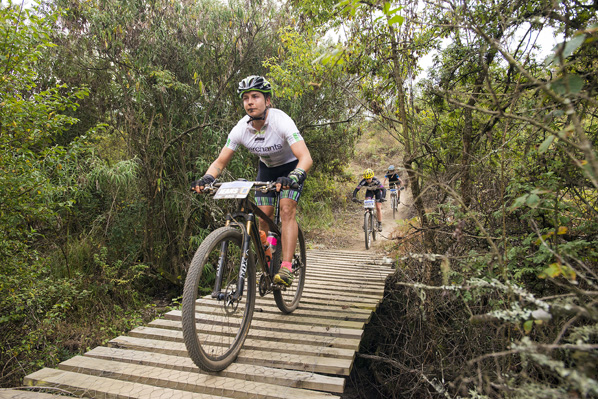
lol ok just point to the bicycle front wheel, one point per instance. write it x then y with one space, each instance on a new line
366 229
287 299
215 325
374 226
393 204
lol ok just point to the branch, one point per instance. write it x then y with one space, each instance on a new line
332 123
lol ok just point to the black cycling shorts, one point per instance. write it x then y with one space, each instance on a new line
377 194
265 173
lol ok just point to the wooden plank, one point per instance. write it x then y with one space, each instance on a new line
350 328
185 381
324 291
300 316
290 361
291 345
21 394
272 334
308 310
93 386
312 305
290 378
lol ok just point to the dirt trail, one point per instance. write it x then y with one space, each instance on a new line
354 237
376 151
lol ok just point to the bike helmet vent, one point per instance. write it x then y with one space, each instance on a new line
254 83
368 174
391 168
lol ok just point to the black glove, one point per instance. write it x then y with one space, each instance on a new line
298 175
204 181
287 182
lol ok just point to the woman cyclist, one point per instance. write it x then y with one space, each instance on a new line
273 136
374 189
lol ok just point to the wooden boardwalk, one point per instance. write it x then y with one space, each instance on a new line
321 338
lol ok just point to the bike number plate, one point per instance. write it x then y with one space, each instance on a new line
393 190
368 203
233 189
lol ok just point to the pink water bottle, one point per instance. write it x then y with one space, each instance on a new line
272 241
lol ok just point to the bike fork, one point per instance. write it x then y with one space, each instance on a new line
217 292
244 260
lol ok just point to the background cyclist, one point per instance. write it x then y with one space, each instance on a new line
374 189
394 181
283 157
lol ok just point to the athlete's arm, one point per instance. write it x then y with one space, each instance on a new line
302 153
216 168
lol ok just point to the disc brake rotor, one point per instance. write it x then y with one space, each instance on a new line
230 304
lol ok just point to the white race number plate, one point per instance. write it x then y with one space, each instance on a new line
233 189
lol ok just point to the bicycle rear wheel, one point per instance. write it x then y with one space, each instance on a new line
366 228
287 299
214 329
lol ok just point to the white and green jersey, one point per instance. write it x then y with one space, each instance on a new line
273 143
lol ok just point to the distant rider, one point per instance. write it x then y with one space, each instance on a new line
374 189
394 181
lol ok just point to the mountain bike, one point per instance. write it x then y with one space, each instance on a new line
395 198
369 218
220 288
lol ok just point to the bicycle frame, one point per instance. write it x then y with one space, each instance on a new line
247 211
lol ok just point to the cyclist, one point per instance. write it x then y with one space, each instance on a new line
374 189
394 181
283 157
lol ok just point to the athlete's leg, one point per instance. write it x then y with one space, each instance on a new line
290 228
269 211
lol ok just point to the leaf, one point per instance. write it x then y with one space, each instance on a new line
567 49
394 11
519 202
397 18
527 326
554 270
544 237
568 84
544 146
562 230
532 201
569 273
386 8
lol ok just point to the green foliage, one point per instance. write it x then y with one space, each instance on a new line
309 93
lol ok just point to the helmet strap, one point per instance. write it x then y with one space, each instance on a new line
259 118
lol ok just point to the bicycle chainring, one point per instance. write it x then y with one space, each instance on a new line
265 284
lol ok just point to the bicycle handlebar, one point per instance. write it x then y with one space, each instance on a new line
262 186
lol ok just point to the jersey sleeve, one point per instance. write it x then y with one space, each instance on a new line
233 141
289 130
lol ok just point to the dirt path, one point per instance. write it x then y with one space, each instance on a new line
375 151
